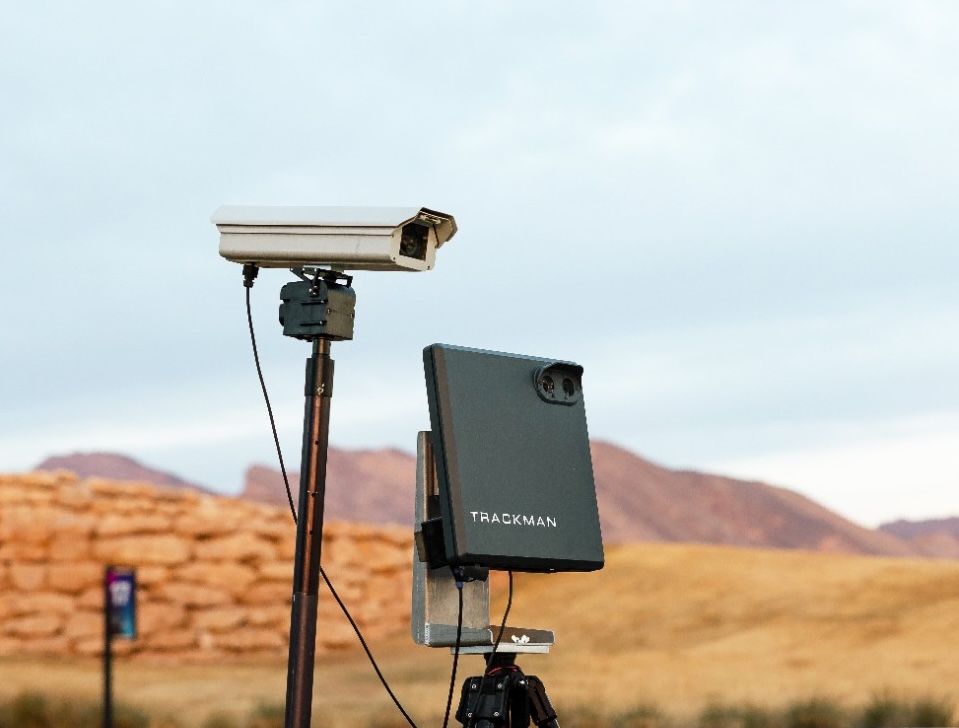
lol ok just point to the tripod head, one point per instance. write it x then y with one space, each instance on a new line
505 696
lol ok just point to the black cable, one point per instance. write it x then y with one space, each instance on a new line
266 397
456 652
366 648
502 627
249 273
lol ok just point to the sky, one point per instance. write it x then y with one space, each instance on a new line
740 218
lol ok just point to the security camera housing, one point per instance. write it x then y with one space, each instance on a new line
344 238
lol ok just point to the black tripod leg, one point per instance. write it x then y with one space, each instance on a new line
541 710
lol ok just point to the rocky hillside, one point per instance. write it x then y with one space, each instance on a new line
113 467
638 501
933 537
641 501
369 486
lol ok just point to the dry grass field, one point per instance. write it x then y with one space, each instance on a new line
681 626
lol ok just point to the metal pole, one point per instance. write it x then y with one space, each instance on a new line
107 652
309 536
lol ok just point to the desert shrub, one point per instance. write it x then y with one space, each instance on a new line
720 716
387 719
126 716
221 720
73 714
736 716
640 716
34 710
28 710
580 717
932 712
885 711
267 715
814 713
753 716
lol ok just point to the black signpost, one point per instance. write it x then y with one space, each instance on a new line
119 620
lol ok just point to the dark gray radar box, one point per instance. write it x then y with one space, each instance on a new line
513 466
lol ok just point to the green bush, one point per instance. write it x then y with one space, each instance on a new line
755 717
887 711
932 712
720 716
815 713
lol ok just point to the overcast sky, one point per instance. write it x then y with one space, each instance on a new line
739 217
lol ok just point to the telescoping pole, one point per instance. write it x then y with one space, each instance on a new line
309 535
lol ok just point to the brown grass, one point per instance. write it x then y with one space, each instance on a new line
678 626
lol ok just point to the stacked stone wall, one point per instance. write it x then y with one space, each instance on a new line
214 574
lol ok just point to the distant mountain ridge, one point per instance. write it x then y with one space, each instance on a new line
932 537
638 501
641 501
369 486
114 467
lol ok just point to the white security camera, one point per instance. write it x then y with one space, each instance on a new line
345 238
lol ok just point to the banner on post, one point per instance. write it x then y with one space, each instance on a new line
121 602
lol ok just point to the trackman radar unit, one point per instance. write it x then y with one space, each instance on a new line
513 467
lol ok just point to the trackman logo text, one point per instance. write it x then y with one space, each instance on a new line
513 519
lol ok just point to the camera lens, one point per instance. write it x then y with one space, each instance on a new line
413 241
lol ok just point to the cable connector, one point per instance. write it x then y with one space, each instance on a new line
466 574
250 271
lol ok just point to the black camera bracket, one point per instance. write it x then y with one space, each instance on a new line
318 306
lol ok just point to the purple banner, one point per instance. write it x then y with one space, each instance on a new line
121 587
